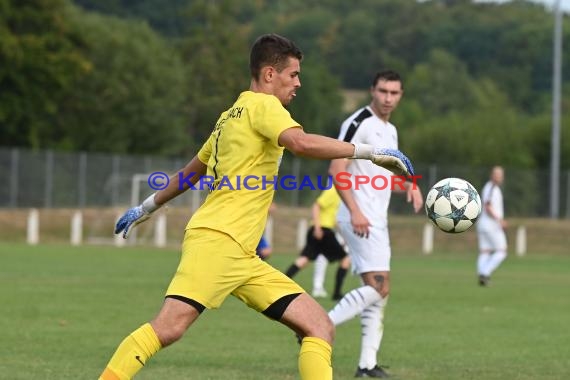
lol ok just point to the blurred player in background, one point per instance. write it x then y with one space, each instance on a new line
218 252
264 248
363 219
321 239
491 227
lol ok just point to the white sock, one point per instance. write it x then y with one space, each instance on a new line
371 321
353 303
494 261
319 272
482 262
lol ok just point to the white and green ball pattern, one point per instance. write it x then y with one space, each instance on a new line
453 205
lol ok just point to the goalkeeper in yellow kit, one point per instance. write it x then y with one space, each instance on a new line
218 252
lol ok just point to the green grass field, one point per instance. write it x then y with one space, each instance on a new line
65 309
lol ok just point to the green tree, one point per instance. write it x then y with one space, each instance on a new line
460 119
510 43
39 65
131 99
355 54
215 54
166 17
318 105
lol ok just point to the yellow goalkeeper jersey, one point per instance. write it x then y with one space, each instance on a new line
329 202
243 157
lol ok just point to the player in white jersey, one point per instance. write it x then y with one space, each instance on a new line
363 219
491 227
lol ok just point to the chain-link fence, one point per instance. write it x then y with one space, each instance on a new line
48 179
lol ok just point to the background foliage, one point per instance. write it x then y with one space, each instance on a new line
151 77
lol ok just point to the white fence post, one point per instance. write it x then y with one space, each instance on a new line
427 241
196 201
160 230
521 241
118 238
33 232
301 233
269 231
76 228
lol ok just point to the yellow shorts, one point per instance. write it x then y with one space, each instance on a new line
213 265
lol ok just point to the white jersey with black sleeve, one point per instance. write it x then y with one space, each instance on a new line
364 127
493 196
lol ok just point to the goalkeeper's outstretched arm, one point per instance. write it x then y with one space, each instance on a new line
317 146
136 215
174 187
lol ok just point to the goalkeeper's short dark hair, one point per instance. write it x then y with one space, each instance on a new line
272 50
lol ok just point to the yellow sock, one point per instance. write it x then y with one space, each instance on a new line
132 354
315 359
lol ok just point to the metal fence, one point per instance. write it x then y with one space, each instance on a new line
49 179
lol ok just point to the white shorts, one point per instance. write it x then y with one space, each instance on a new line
370 254
492 239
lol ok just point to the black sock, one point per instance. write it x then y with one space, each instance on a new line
292 271
339 280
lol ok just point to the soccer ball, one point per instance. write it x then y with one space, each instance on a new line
453 205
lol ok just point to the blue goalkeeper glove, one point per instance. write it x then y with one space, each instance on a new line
135 216
391 159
